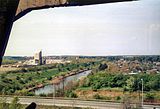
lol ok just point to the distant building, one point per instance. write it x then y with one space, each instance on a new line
38 58
53 61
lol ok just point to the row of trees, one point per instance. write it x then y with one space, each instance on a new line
126 82
133 58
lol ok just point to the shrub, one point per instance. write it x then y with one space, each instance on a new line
150 96
70 94
49 78
103 67
23 70
43 95
118 98
3 103
14 104
30 94
73 95
97 96
96 86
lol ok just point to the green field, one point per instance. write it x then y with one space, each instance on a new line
21 81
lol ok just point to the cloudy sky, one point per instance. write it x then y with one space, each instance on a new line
128 28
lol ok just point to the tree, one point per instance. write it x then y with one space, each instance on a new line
150 96
3 104
14 104
96 96
18 78
130 83
103 66
49 78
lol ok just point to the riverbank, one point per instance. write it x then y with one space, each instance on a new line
61 78
57 79
117 95
60 82
24 81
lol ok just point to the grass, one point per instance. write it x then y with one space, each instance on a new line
113 89
105 88
28 78
84 88
4 70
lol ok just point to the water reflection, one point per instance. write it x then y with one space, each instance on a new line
48 89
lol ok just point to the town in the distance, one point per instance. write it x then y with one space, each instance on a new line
127 64
111 78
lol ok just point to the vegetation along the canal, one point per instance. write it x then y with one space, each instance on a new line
111 78
21 81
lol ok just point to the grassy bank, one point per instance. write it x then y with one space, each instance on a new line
21 81
115 86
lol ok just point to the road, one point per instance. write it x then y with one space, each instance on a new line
74 103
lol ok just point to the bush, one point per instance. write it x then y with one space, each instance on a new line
96 86
108 98
70 94
14 104
49 78
43 95
73 95
118 98
30 94
103 67
23 70
97 96
3 103
150 96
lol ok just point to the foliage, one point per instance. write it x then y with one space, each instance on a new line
30 77
96 96
3 104
14 104
43 95
30 94
12 59
7 61
49 78
103 79
130 83
103 66
118 98
70 94
150 96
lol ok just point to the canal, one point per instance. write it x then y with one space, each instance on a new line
48 89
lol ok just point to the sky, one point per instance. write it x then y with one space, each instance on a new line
128 28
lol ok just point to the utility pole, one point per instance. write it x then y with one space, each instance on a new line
54 93
139 95
142 92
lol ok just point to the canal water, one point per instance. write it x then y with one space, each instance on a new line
48 89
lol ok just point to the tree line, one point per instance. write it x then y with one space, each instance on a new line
125 82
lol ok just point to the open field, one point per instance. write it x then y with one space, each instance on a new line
8 69
115 95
